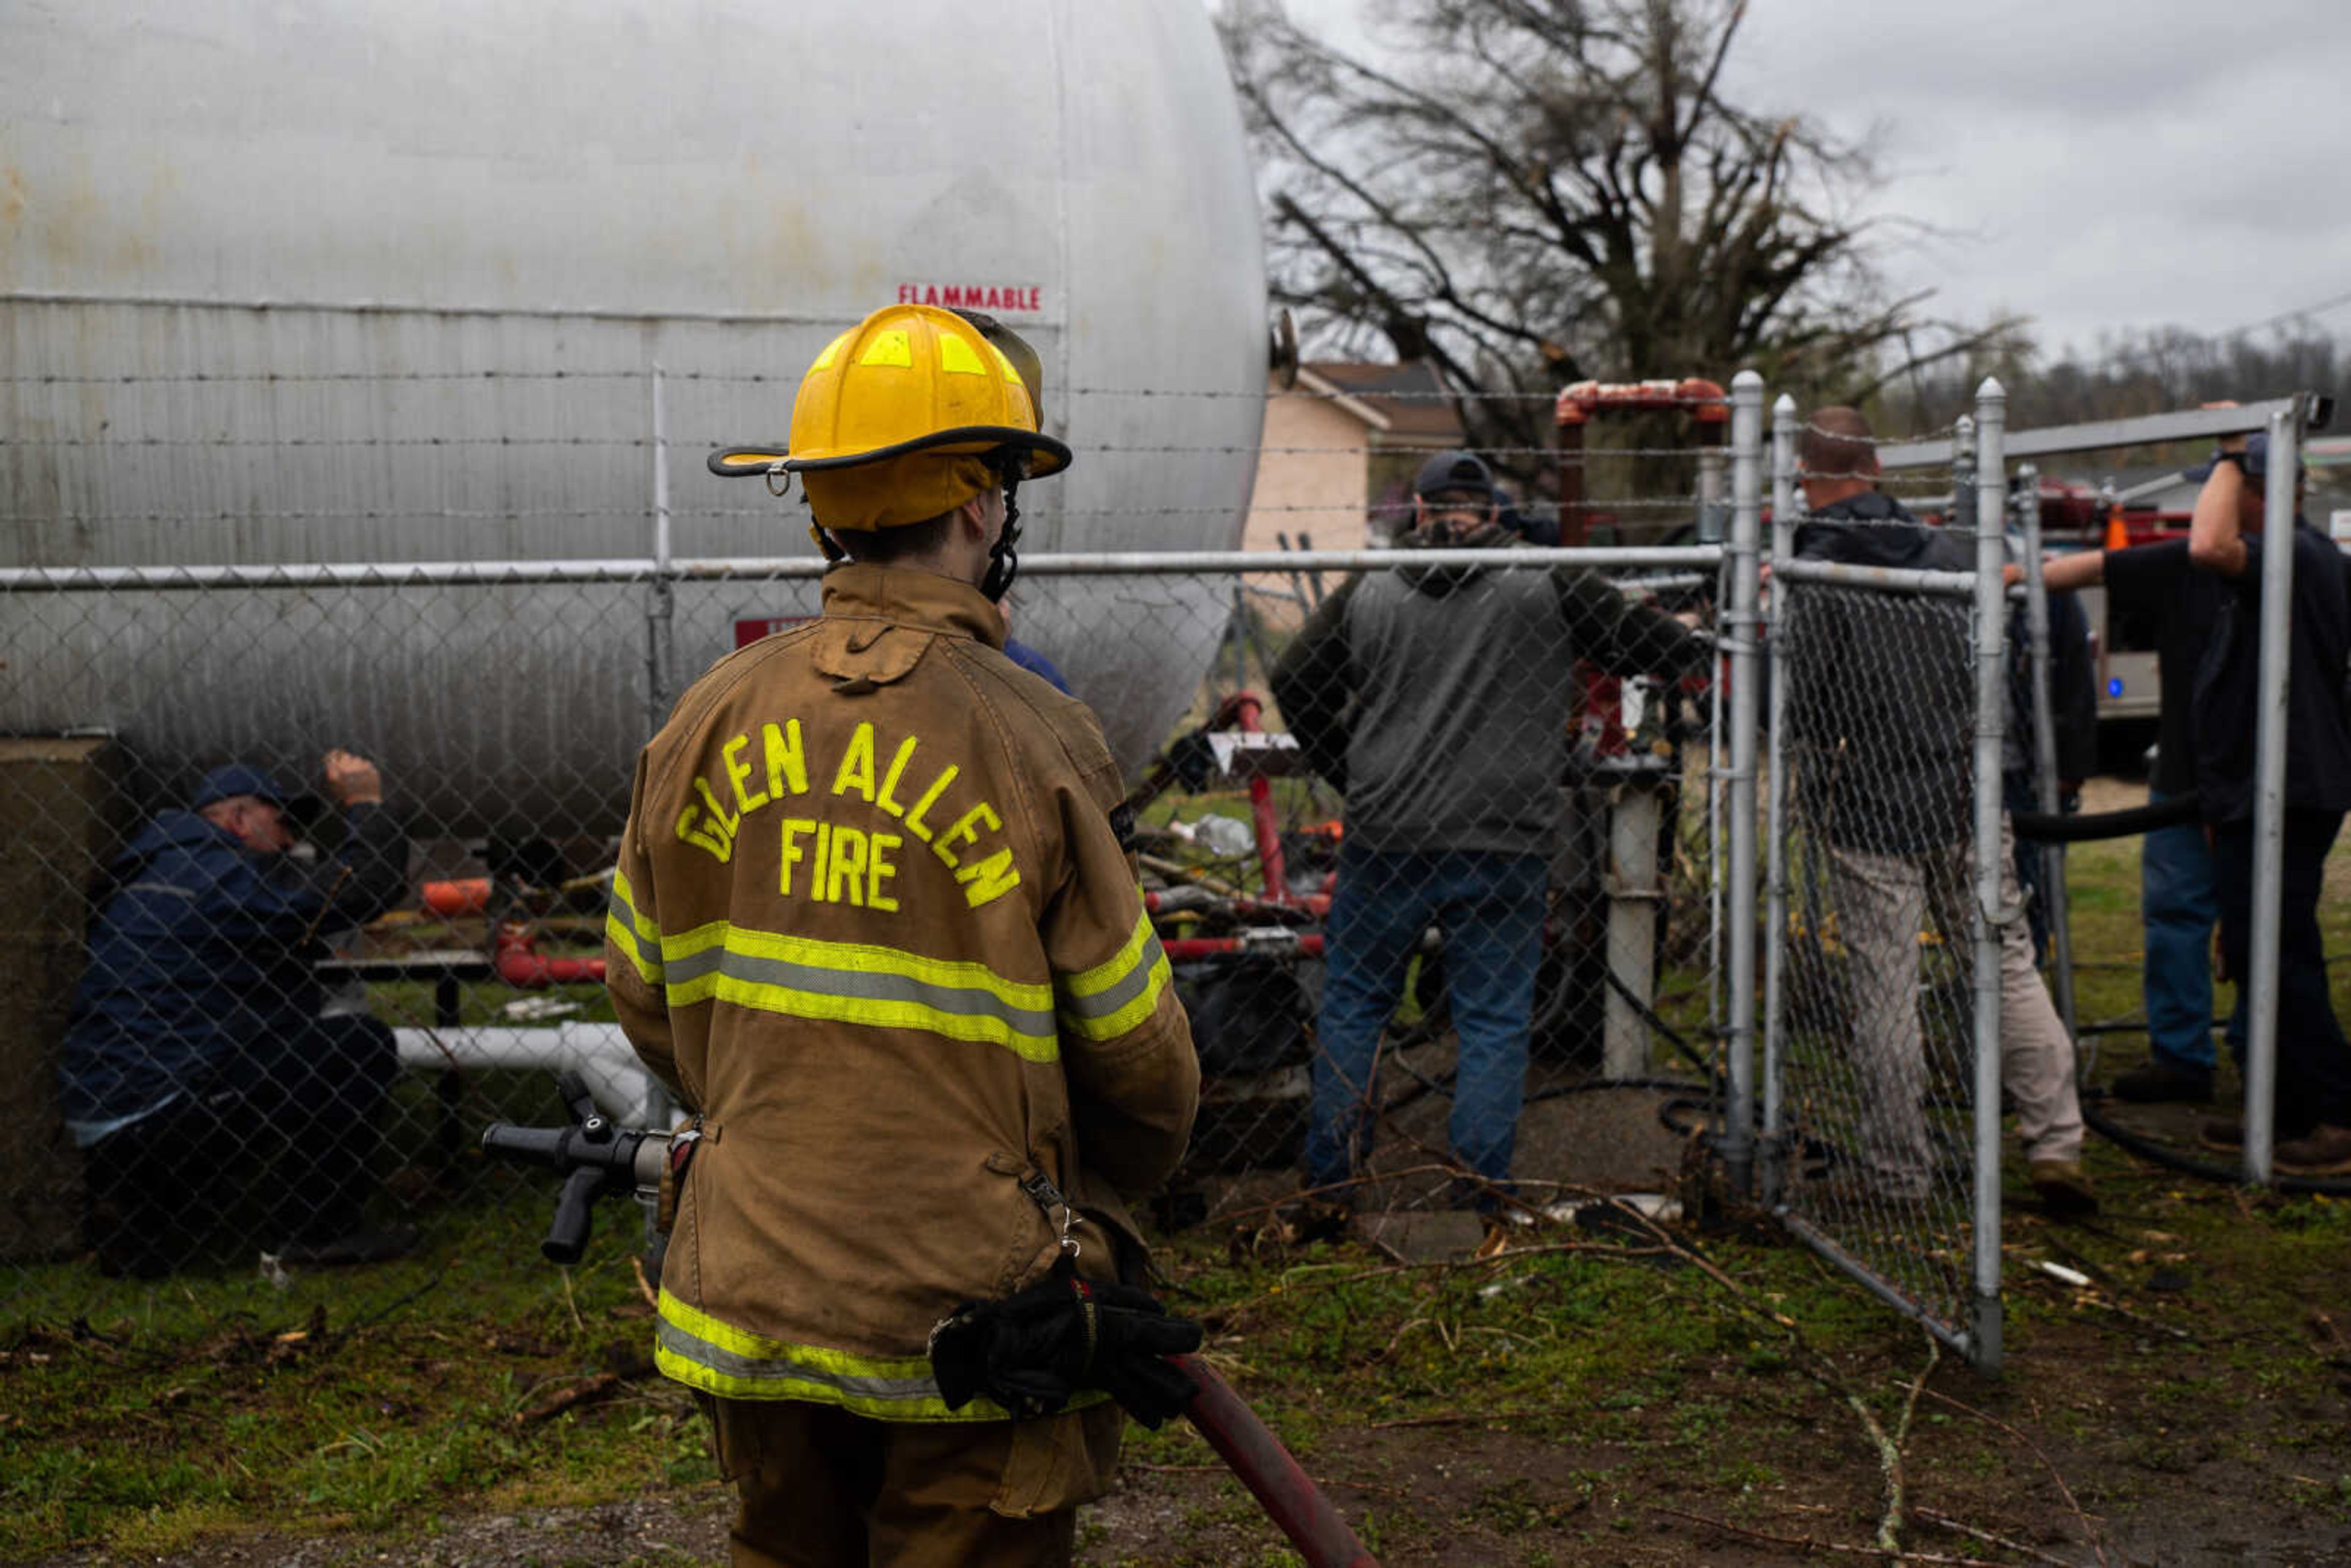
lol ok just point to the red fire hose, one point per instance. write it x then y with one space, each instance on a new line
1286 1492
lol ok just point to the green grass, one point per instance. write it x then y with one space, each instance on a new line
139 1418
142 1418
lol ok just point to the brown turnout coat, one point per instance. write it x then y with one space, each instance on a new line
873 926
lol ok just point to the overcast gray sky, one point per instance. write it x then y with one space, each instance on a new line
2095 164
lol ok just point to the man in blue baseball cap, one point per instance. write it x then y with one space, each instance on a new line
196 1030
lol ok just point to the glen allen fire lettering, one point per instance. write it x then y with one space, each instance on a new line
974 295
827 860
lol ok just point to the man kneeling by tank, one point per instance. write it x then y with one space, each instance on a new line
195 1030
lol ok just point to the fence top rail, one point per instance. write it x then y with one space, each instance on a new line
2098 435
1885 578
721 568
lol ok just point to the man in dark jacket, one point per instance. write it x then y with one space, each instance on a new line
195 1027
1880 710
1437 701
2157 585
2226 537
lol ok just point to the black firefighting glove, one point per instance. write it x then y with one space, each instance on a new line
1034 1351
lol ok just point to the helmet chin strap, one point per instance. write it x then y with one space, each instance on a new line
1003 560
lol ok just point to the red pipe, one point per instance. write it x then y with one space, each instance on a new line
1284 1489
1290 910
451 900
519 964
1245 707
1308 945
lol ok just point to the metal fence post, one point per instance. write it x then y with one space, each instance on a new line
2044 746
2269 792
660 594
661 662
1746 527
1775 923
1992 665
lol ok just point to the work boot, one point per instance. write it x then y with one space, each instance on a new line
363 1244
2321 1151
2064 1190
2165 1079
2224 1133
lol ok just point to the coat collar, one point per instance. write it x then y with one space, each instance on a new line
904 596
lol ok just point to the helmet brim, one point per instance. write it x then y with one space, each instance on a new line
1046 455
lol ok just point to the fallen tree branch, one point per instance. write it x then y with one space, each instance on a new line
1890 1449
583 1392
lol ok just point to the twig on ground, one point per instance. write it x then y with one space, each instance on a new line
1429 1421
1372 1486
1945 1522
1807 1544
1349 1185
1225 1315
569 1395
571 1301
644 1286
1224 1470
2089 1532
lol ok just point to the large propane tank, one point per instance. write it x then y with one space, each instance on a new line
387 281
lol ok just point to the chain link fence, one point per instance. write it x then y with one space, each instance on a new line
227 1055
1602 921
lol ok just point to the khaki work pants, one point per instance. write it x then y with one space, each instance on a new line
820 1488
1883 902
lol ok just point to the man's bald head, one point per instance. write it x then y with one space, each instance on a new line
1836 456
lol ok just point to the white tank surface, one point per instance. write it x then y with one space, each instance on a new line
386 281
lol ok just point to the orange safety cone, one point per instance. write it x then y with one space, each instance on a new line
2117 536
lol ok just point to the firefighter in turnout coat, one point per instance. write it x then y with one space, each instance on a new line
876 924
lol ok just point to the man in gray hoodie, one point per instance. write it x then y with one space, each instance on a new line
1437 701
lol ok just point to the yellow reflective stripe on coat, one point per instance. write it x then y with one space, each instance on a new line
693 1348
1109 999
853 982
633 934
699 1350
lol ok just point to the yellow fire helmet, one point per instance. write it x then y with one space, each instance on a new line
906 416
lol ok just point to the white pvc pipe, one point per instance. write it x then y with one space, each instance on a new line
599 1052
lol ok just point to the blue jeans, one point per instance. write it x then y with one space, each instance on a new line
2178 907
1490 908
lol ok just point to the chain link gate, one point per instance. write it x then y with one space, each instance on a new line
1888 876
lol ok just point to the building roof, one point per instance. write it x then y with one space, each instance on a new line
1317 385
1413 398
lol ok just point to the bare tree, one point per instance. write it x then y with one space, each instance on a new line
1530 192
